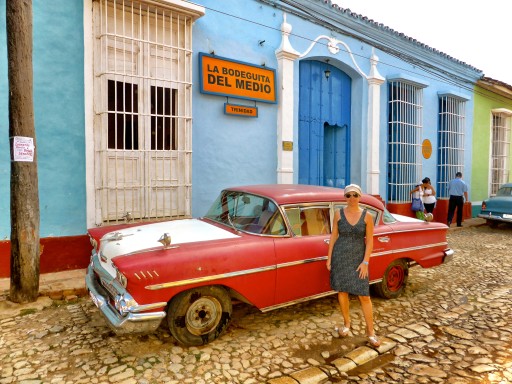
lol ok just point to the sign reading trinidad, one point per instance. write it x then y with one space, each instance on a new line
224 77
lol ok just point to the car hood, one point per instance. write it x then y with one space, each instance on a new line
499 203
144 237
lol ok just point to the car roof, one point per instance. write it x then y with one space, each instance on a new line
301 193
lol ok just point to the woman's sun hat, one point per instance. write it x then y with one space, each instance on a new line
353 188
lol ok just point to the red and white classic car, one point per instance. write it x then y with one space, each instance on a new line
265 245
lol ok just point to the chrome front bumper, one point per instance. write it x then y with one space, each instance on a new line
132 321
494 217
448 255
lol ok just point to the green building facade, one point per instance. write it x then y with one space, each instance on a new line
492 145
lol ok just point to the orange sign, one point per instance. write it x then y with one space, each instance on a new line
240 110
224 77
426 149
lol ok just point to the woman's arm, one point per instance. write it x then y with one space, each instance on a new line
414 190
363 267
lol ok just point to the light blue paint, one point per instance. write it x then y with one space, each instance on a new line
5 164
231 150
226 154
227 150
58 57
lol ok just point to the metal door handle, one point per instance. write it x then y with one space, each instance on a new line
383 239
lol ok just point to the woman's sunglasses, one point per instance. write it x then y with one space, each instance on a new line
349 195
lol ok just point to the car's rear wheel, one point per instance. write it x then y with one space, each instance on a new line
200 315
394 280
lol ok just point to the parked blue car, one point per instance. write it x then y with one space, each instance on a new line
498 208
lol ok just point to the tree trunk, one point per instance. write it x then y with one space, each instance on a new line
24 185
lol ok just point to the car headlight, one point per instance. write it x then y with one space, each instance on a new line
121 278
93 241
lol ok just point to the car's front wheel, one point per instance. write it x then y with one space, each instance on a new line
199 315
394 280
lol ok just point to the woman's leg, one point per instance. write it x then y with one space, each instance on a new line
343 299
366 305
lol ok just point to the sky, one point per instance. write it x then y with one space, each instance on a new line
477 33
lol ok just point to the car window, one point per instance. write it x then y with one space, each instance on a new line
504 191
387 217
250 213
309 221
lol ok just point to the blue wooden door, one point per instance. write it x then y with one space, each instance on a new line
324 121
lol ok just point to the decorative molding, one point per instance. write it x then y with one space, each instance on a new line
333 48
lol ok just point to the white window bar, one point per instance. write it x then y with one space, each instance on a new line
500 158
405 107
451 130
143 98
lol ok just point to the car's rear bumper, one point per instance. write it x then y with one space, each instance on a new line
494 217
131 322
448 255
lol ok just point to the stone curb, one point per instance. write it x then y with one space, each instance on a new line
349 361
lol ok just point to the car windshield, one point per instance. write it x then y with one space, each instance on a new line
247 212
387 217
504 191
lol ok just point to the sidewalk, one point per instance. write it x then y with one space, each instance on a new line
57 286
60 285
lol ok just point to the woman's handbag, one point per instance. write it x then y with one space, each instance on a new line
417 204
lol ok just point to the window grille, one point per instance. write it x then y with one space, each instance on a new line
143 110
500 159
452 121
405 107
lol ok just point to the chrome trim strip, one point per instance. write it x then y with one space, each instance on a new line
299 262
209 278
269 268
407 230
288 303
422 247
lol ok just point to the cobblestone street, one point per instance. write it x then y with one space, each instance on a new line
452 325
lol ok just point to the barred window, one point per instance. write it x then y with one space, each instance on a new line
405 107
500 159
143 108
450 160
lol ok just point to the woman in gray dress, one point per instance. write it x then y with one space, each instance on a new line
350 248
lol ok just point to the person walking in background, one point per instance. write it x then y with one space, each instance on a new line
429 195
350 247
458 191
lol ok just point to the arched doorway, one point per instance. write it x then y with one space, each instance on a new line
324 125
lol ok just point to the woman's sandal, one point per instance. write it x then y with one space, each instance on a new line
374 341
343 331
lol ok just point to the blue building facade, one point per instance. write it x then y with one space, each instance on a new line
127 131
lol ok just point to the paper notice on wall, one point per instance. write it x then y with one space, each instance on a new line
23 148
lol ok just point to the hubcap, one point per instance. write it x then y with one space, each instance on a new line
395 279
203 315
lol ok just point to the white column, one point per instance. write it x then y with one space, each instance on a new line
375 80
286 57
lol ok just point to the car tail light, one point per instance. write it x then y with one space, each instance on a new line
484 205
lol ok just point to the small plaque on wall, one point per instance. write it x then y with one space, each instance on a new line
426 149
240 110
287 145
